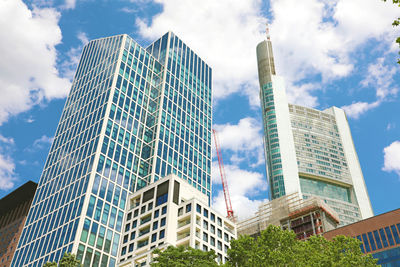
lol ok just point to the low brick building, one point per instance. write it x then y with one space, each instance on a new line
380 236
13 211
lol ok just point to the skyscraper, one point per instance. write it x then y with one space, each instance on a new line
307 150
133 116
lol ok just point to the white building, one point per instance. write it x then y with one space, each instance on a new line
308 150
171 212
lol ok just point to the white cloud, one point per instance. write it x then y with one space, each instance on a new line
7 165
380 77
28 57
243 185
243 139
356 109
42 142
315 38
69 65
392 158
69 4
224 33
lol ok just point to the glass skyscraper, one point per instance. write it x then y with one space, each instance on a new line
133 116
307 150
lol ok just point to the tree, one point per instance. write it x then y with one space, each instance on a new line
183 256
396 23
277 247
68 260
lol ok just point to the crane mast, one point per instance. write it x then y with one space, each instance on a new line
223 178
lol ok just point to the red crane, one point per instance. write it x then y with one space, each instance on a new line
223 179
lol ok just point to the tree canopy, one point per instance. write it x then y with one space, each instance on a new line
277 247
68 260
183 256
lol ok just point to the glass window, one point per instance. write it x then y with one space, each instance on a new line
219 221
395 234
198 208
389 235
219 233
205 213
378 239
226 237
164 210
188 207
371 241
212 217
212 229
133 235
131 247
205 237
383 236
153 238
205 225
156 213
155 225
162 234
162 222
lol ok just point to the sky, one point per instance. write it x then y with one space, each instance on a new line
330 52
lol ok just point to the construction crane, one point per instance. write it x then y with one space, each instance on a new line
223 179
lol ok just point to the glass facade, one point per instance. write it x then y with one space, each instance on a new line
271 141
133 115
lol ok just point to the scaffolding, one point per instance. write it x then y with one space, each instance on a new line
304 216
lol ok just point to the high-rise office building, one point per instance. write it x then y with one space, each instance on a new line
133 115
307 150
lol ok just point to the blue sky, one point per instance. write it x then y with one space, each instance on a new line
331 53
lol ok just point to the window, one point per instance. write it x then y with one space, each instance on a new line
150 206
198 208
180 211
136 213
162 222
188 207
378 239
219 221
156 213
395 233
133 235
205 248
143 243
129 216
366 244
162 234
212 241
123 252
205 213
155 225
153 238
212 217
212 229
205 225
134 223
389 235
226 237
219 232
126 238
383 236
205 237
219 245
130 247
143 210
164 210
127 227
371 241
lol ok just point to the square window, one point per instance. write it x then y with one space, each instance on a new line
198 208
162 234
188 207
162 222
164 210
205 213
212 216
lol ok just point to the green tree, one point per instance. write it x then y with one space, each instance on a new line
68 260
396 23
276 247
183 256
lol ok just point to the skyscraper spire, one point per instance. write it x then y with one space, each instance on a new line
267 31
